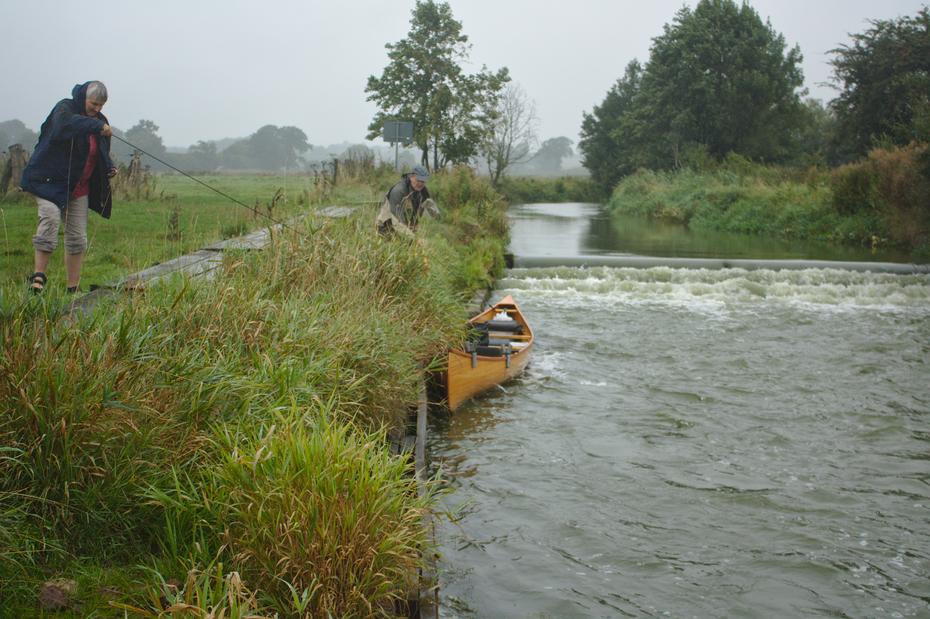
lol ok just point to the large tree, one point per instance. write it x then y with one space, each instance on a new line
512 132
718 79
278 147
142 135
269 148
424 83
203 156
721 78
548 159
606 149
884 81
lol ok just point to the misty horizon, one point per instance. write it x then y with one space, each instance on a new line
210 71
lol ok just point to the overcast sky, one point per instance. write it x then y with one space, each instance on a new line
205 70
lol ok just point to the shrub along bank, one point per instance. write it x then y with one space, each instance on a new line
525 189
882 200
222 443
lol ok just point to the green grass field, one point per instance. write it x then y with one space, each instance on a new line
141 233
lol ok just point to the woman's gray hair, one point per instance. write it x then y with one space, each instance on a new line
96 91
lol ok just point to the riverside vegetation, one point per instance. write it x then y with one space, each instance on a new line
881 200
219 446
674 136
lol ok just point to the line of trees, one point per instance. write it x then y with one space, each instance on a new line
720 80
269 148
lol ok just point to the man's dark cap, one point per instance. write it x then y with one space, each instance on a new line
421 173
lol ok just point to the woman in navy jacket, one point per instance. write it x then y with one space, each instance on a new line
68 173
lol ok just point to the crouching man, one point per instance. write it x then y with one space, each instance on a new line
405 202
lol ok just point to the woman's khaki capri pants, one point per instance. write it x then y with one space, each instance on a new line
50 216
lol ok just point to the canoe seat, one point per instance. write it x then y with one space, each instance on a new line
490 351
507 326
481 331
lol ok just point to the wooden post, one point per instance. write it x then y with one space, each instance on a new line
18 161
420 450
428 604
13 170
5 173
135 170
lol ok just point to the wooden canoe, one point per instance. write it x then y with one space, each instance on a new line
502 353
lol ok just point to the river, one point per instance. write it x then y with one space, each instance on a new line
694 443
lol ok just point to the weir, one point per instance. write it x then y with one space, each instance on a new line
645 262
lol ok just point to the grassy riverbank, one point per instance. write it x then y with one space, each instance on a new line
883 200
171 216
222 443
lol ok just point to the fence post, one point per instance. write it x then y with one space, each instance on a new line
13 169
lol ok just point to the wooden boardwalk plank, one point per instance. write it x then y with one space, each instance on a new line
254 240
201 262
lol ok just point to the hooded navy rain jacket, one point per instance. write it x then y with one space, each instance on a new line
58 161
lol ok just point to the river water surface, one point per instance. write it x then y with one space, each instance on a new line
694 443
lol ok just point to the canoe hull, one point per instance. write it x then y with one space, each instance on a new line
468 375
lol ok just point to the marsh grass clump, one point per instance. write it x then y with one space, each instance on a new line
205 593
80 425
174 225
235 229
304 505
134 181
314 514
891 185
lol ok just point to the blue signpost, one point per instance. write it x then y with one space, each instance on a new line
397 131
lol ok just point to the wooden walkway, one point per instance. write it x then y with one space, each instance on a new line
201 263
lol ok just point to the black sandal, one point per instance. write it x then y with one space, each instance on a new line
37 282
